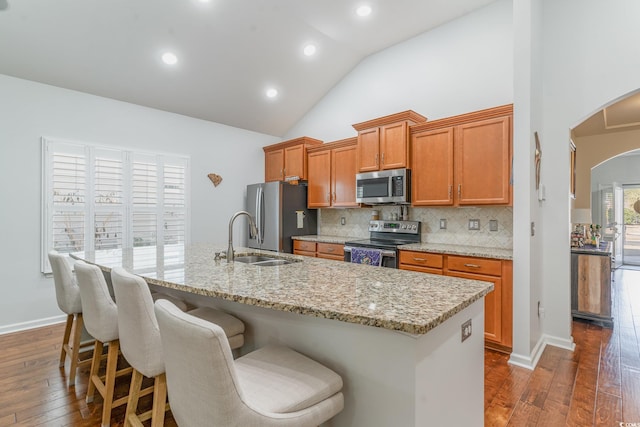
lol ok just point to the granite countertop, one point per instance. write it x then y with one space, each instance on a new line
325 238
449 249
603 250
400 300
439 248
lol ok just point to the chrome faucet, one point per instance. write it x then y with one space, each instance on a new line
253 231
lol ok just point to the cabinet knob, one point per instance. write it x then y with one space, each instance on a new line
376 159
472 265
459 190
383 158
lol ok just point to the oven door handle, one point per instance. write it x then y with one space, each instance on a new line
390 254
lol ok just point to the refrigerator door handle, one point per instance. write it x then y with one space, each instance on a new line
260 219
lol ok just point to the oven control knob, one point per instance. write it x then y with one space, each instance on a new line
414 227
404 226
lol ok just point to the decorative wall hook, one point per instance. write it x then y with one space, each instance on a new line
216 179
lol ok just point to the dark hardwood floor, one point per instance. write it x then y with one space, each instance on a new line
598 384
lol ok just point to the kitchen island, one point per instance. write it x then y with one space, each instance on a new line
394 336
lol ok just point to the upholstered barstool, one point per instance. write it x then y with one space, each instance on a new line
141 347
101 320
272 386
68 298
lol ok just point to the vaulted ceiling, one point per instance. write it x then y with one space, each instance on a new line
229 52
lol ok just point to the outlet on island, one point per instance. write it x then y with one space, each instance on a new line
466 330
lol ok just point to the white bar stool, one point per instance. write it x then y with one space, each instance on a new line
141 346
101 321
68 299
272 386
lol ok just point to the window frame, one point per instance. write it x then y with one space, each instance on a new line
127 156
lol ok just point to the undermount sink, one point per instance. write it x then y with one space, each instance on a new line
263 260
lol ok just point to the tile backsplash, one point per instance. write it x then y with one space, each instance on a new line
457 223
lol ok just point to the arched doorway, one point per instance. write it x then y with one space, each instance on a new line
607 174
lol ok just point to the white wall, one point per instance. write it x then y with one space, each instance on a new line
461 66
30 110
590 58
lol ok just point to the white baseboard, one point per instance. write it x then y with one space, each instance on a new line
530 361
32 324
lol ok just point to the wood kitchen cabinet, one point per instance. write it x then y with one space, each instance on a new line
332 175
287 159
498 304
383 143
463 160
303 247
333 251
421 261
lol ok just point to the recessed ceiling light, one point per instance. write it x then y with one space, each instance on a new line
271 93
363 10
169 58
309 50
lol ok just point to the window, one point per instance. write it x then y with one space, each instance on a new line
118 203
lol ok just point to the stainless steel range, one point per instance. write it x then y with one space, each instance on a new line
385 237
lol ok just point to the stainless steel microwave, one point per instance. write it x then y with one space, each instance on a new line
384 187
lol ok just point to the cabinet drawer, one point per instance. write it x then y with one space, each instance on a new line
302 245
421 259
332 249
491 267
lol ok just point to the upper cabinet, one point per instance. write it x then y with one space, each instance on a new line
463 160
288 159
383 143
332 175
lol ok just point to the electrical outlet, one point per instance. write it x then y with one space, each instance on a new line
474 224
443 224
493 225
533 229
343 221
466 330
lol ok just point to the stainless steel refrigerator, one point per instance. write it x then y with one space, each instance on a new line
280 210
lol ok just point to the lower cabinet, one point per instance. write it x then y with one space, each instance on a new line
498 304
333 251
421 261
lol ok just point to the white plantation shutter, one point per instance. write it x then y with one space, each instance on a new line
98 198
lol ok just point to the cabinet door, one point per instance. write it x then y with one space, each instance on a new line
492 305
483 162
394 151
432 168
319 182
294 158
330 251
273 165
368 150
302 247
343 177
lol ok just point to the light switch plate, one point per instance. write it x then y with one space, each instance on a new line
474 224
343 220
443 224
493 225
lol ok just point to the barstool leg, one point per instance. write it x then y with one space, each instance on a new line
95 367
77 334
110 381
159 400
65 339
134 396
